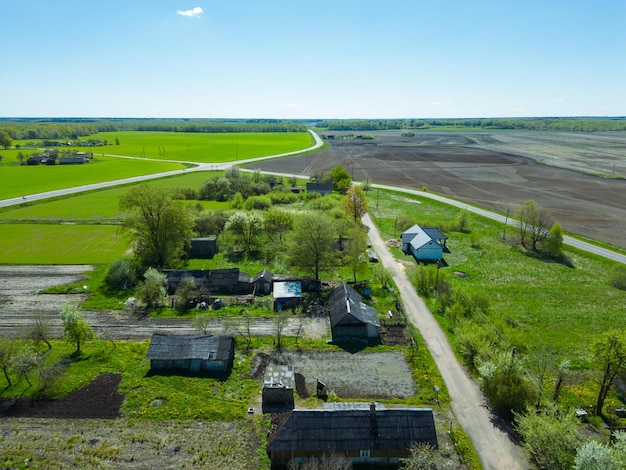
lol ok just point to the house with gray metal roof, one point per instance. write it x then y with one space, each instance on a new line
425 244
350 317
194 353
374 436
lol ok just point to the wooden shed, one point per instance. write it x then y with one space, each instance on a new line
287 294
371 436
350 317
262 282
203 247
321 188
278 386
194 353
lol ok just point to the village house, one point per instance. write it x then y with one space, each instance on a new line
425 244
350 317
194 353
203 247
262 282
365 436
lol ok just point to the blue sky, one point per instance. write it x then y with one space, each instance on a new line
323 59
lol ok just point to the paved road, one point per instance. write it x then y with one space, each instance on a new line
494 447
194 166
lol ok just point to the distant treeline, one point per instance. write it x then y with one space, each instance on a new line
582 124
61 128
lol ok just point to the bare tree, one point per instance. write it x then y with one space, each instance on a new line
239 326
534 224
41 330
280 321
8 351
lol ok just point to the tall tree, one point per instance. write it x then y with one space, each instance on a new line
357 245
76 328
341 179
5 140
355 203
311 245
278 222
161 227
534 224
609 352
247 227
152 289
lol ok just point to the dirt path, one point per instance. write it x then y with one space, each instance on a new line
494 446
21 301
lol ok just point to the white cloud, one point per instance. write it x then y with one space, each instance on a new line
193 12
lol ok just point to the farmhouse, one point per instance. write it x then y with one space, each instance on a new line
350 318
374 436
287 294
425 244
194 353
227 281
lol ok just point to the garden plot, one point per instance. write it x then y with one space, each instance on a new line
384 375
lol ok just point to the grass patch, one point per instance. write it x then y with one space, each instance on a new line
24 180
60 244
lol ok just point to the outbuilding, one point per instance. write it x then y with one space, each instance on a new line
195 353
278 385
287 294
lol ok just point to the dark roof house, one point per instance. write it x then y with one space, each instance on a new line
263 282
350 317
191 352
364 436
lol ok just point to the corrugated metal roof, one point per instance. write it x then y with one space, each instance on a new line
287 289
434 233
341 430
180 347
345 301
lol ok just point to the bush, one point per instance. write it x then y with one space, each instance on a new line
425 278
618 278
258 203
122 275
283 197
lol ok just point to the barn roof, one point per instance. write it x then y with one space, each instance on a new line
180 347
345 301
341 430
265 274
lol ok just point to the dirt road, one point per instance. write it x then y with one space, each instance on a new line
494 446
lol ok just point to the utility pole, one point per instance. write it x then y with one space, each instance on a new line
505 222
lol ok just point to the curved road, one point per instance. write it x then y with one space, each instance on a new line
494 446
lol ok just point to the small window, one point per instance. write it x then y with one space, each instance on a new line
365 453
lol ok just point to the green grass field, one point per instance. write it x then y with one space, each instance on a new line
199 147
534 302
60 244
205 148
23 180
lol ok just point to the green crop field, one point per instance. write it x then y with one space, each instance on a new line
23 180
60 244
200 147
203 148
